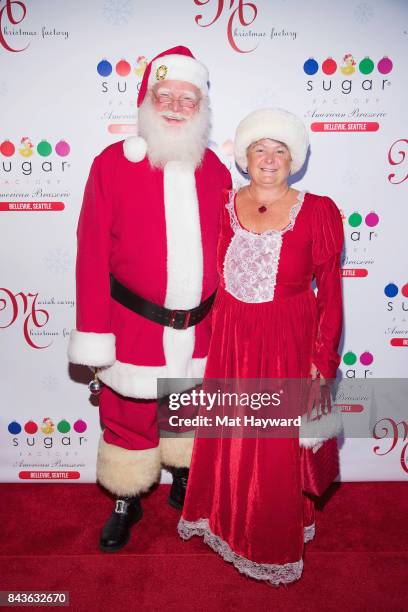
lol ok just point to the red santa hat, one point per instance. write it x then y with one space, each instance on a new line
176 64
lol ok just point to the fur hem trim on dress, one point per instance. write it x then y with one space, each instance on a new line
269 572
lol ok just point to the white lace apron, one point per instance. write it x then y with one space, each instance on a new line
252 260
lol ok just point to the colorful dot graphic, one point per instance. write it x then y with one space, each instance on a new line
385 65
350 358
80 426
14 427
44 148
7 148
366 66
104 68
123 68
366 358
391 290
372 219
63 426
62 148
355 219
30 427
310 66
329 66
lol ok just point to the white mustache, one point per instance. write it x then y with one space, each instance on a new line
172 115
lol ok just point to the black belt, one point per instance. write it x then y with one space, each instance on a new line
178 319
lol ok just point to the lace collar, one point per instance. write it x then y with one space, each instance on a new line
237 227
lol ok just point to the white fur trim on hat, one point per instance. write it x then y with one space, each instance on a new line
274 123
179 68
134 148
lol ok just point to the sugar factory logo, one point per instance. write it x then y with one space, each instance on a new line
27 157
12 14
395 435
17 307
361 231
397 156
349 80
47 434
242 14
397 305
358 366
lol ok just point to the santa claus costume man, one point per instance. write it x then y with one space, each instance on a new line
146 278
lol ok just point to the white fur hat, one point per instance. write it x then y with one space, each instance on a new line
274 123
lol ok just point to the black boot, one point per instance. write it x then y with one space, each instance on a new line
178 488
116 531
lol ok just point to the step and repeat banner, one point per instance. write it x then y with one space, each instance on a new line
69 79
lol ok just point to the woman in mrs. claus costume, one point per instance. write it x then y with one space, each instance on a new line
245 494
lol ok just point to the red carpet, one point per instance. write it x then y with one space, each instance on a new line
49 534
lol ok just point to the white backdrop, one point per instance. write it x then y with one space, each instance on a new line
68 85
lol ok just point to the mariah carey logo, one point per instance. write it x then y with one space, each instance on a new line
12 304
241 12
390 429
14 11
396 157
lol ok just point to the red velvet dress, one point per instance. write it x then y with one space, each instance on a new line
244 495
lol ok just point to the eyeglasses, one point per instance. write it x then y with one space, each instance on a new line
184 101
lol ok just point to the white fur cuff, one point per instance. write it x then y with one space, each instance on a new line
91 349
315 432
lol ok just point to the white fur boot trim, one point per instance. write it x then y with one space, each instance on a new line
127 472
176 452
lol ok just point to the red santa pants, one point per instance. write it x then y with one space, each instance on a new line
129 423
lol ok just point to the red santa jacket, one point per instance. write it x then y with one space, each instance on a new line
156 231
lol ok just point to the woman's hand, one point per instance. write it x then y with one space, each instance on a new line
314 373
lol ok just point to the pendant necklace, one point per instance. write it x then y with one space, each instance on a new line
263 207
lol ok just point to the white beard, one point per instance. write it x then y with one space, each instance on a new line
186 142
